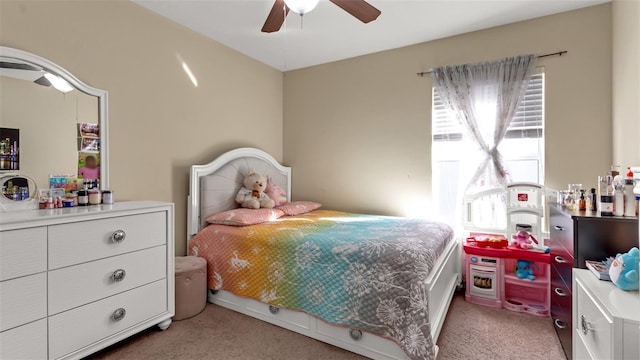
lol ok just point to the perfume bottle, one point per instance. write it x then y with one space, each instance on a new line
582 203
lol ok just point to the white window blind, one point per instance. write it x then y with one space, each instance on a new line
527 122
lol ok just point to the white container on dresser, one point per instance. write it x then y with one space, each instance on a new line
75 280
606 320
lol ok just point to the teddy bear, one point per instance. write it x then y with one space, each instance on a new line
252 195
523 269
523 237
624 270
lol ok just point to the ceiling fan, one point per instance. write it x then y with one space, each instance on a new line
24 71
360 9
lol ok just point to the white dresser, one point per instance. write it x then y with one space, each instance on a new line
606 320
75 280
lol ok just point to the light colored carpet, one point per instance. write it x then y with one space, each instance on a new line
470 332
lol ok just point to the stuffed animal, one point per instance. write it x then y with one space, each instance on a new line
524 271
523 237
624 270
275 192
252 195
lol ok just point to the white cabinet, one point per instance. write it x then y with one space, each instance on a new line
606 320
75 280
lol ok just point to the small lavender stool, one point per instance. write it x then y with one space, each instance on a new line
191 286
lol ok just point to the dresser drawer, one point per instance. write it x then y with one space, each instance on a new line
70 330
27 342
560 292
23 252
75 243
593 326
561 231
23 300
561 311
80 284
562 262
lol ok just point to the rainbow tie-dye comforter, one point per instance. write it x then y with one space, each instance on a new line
358 271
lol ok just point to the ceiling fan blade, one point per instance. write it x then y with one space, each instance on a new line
17 66
42 81
360 9
276 17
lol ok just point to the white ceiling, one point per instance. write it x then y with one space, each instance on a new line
331 34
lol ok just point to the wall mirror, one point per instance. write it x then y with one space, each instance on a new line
51 123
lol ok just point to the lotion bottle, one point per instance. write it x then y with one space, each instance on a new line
629 198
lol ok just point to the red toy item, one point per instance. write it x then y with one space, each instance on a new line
483 241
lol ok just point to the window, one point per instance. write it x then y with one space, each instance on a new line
522 148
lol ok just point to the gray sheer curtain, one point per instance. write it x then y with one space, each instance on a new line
484 97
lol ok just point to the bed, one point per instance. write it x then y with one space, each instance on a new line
313 246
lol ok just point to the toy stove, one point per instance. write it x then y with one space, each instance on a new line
484 280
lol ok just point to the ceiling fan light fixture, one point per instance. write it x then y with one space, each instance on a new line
301 6
59 83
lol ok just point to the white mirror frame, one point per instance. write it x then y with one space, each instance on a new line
102 95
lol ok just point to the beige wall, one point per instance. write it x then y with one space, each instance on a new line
160 123
47 120
626 82
357 132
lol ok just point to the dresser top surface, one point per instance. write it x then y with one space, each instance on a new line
619 303
38 217
576 214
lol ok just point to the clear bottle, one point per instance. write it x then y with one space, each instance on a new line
618 200
606 197
570 200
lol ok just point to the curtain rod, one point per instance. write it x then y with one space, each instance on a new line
559 53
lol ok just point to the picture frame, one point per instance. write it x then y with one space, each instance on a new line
9 149
43 195
66 182
56 193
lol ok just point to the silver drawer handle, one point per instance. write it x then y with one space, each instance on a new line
560 324
585 325
559 228
118 314
118 236
118 275
274 310
560 260
355 334
560 292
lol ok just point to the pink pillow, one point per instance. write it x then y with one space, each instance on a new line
299 207
244 217
275 193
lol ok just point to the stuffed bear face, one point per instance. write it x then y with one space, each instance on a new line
255 182
624 270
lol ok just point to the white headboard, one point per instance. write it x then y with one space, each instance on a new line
213 187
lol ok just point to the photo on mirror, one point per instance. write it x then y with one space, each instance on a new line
9 149
88 144
88 130
88 165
